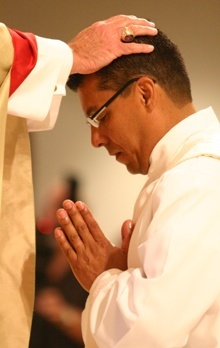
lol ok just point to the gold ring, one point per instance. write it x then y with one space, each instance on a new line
127 35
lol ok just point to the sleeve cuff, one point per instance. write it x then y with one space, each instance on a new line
38 98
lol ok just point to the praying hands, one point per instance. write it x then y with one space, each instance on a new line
84 245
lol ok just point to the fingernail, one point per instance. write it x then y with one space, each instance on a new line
68 205
151 47
154 29
58 233
131 225
80 205
62 214
152 24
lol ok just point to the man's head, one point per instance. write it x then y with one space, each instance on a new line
145 109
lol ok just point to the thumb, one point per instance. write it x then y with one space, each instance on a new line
126 233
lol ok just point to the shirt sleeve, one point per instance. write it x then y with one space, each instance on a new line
39 96
164 299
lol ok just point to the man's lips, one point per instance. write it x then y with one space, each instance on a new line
118 156
114 153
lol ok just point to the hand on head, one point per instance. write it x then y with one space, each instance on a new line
101 43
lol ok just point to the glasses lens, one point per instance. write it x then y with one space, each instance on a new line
94 120
91 122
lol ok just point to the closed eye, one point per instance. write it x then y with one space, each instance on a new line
102 117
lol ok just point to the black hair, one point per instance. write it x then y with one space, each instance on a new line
165 65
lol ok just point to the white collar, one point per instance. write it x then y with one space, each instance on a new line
192 135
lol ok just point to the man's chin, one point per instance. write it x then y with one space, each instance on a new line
135 170
131 169
121 158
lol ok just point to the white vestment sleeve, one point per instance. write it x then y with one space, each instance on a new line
38 98
175 290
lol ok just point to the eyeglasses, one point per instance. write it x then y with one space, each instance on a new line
95 119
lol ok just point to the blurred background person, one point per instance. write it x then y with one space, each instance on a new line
59 297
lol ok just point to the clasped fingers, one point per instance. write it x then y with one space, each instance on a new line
74 225
69 229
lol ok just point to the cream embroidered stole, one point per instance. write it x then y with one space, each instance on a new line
17 225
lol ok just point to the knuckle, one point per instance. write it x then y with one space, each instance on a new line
92 224
68 252
73 238
73 212
82 228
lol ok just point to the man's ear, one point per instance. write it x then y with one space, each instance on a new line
148 92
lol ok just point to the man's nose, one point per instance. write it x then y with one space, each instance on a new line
97 139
